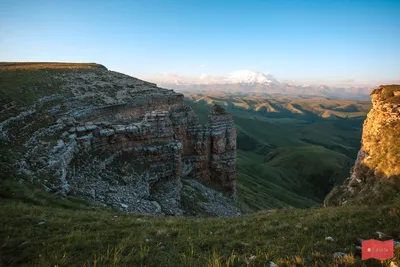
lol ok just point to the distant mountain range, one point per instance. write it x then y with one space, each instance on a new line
247 81
300 107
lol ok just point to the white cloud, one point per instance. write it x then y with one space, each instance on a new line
197 66
348 81
171 78
207 78
174 78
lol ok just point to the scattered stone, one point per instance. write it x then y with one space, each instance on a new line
272 264
24 243
93 194
381 235
66 189
338 255
252 257
80 129
107 132
41 223
124 205
158 207
214 204
90 127
329 238
358 241
148 239
161 245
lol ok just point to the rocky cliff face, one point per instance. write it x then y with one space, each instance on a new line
375 175
118 141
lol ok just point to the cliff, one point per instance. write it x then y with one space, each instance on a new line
80 129
375 176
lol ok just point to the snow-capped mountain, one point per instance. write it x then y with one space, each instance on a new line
250 77
247 81
240 77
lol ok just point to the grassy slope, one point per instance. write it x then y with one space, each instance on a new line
23 83
76 234
289 178
24 86
261 186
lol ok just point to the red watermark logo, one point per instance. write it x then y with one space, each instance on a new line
375 249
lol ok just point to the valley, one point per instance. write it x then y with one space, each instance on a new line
292 150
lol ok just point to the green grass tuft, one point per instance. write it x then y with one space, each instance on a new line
46 232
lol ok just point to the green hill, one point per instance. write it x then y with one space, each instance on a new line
289 162
284 107
296 176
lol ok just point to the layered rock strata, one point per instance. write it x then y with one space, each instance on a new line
375 175
123 142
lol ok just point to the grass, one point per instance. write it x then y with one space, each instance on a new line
24 83
387 93
47 65
384 147
219 110
38 229
26 86
288 177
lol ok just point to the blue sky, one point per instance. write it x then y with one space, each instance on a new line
304 40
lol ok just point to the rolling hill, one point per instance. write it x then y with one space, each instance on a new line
291 152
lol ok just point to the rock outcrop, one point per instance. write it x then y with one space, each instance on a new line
375 175
119 141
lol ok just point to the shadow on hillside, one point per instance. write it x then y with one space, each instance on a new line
365 186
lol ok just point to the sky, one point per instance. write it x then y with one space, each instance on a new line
335 41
